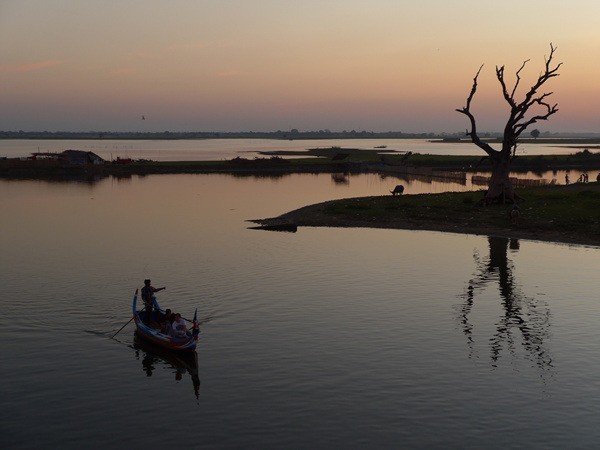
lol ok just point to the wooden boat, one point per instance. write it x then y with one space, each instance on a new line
185 344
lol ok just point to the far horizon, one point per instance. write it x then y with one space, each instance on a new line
281 134
70 66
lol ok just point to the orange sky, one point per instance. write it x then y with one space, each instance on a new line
240 65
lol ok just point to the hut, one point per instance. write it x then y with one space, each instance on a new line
68 158
80 158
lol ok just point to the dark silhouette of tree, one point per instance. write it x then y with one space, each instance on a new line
520 118
535 133
524 319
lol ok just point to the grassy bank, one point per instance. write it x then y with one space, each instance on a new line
552 213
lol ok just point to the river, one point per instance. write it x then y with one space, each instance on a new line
220 149
324 338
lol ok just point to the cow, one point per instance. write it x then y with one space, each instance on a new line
398 190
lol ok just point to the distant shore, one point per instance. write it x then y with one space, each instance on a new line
314 160
294 134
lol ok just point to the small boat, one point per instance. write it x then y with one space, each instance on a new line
184 344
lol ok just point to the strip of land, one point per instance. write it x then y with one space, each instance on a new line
76 164
569 214
563 214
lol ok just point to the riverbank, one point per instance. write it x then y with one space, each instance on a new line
316 160
563 214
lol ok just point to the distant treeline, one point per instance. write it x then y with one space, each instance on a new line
284 135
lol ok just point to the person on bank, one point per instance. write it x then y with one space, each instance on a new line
148 297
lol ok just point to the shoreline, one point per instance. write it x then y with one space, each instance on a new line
490 221
76 163
552 213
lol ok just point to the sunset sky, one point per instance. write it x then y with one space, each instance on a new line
267 65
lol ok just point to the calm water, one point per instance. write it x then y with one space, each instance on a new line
219 149
324 338
222 149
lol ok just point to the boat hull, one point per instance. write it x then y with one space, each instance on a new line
187 344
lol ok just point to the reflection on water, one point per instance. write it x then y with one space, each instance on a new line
320 338
523 320
154 357
347 184
340 178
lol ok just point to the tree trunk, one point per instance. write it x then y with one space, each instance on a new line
500 189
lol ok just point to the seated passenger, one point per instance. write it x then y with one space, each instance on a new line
165 321
178 327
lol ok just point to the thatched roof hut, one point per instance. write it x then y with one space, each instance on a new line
71 157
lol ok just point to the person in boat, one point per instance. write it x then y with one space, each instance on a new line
166 322
148 297
178 327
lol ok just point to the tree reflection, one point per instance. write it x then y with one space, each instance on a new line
524 321
153 357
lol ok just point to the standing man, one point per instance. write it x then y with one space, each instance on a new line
148 297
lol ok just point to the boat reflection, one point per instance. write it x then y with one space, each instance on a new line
153 356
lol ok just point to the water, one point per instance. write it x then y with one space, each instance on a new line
324 338
221 149
224 149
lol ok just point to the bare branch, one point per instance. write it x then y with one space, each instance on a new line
467 112
517 123
518 120
548 73
512 95
520 113
507 96
550 110
473 89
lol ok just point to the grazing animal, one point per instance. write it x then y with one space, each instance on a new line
398 190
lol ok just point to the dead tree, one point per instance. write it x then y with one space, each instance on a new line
520 118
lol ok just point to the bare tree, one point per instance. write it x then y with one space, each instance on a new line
500 188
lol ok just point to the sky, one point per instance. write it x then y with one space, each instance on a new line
268 65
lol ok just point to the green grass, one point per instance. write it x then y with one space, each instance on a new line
566 209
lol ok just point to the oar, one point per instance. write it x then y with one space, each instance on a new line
133 317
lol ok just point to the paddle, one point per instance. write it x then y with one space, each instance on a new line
133 317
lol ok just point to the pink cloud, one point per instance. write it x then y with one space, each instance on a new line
29 67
